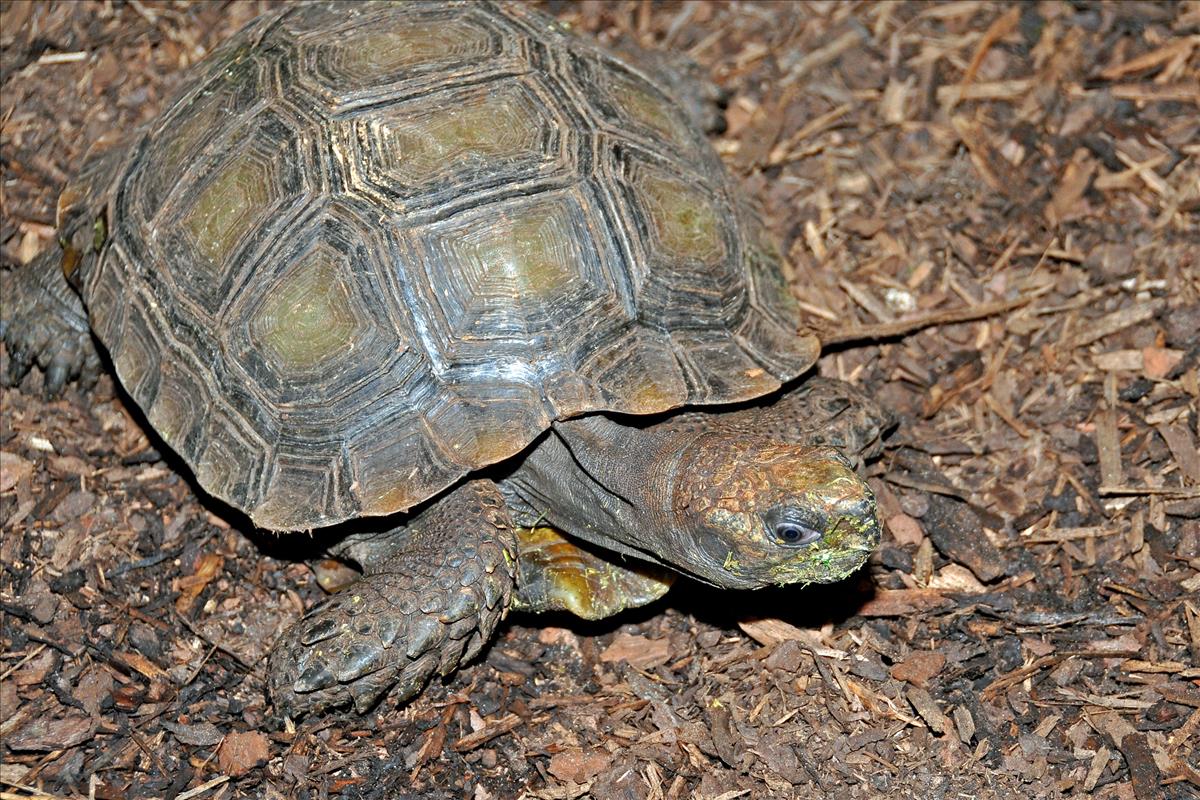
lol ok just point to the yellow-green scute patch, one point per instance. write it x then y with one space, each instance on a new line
646 108
492 126
686 223
309 318
226 210
376 54
528 252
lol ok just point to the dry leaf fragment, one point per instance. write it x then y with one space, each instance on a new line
578 765
956 578
1067 202
13 470
637 651
208 566
905 529
242 752
919 667
1157 362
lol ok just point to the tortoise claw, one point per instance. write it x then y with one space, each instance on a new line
318 631
315 677
44 324
58 373
19 364
360 659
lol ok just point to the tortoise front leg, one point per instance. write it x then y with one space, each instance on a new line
42 322
430 601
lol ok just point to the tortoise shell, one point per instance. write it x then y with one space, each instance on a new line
371 248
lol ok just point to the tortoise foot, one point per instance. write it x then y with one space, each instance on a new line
429 606
43 324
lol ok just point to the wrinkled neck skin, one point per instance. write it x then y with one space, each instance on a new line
609 484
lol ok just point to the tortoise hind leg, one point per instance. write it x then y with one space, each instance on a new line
42 322
430 597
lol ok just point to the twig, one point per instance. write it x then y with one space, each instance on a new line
890 330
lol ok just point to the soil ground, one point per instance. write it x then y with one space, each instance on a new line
1030 626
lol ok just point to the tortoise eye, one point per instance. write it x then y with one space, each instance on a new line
791 534
794 526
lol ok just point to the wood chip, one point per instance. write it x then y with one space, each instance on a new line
1143 772
1120 361
928 709
1180 693
902 602
242 752
1183 447
47 734
637 651
773 631
579 765
1181 47
13 470
1108 442
489 731
918 667
1111 323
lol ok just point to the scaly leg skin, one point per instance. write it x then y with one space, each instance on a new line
42 322
430 597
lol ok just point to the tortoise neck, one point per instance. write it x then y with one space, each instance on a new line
605 482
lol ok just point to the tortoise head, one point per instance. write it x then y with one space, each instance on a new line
754 512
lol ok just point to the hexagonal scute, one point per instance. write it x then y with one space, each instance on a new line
229 208
397 463
197 122
320 331
362 54
634 108
521 285
458 145
308 319
687 264
685 222
232 456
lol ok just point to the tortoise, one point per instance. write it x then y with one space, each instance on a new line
474 296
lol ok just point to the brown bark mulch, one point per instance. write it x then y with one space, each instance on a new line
1030 626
